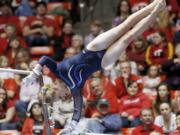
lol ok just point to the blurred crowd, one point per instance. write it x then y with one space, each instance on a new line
138 95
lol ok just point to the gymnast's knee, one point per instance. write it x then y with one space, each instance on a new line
127 38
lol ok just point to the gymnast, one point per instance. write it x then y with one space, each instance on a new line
101 52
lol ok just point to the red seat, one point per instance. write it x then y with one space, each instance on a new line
57 18
52 5
38 51
9 132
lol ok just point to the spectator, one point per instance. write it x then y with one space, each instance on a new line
8 80
172 70
147 126
8 18
167 119
115 70
35 123
95 30
136 52
26 95
77 42
64 41
22 59
11 88
151 81
10 33
26 8
122 81
173 5
163 95
8 83
131 105
87 93
104 121
123 11
39 29
4 63
160 51
10 30
154 28
100 88
13 49
173 8
176 36
7 112
177 131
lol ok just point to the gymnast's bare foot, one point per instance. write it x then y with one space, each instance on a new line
161 5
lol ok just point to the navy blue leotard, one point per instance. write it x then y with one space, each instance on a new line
74 71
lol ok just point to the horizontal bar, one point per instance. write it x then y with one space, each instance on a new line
16 71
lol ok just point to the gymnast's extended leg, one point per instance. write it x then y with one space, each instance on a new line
107 38
120 45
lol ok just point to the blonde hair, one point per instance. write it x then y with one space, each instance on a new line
2 58
78 37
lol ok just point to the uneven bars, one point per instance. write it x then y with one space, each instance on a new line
16 71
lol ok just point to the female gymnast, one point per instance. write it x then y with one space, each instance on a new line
101 52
